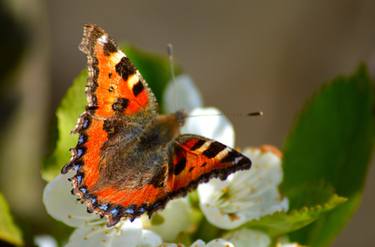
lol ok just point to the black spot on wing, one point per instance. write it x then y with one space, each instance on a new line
125 68
180 166
198 144
214 149
230 157
109 48
120 105
138 88
244 162
236 159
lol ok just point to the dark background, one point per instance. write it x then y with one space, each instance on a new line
243 55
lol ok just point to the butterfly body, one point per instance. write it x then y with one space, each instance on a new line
134 157
129 160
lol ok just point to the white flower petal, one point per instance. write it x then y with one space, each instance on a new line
130 234
136 224
249 238
211 123
45 241
245 195
171 245
212 243
129 238
198 243
62 205
219 243
170 227
150 239
90 236
288 245
285 242
182 94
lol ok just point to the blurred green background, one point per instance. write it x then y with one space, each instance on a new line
243 55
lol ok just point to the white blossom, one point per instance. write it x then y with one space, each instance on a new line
245 195
211 123
253 238
284 242
288 245
182 94
45 241
62 205
213 243
248 238
200 243
174 219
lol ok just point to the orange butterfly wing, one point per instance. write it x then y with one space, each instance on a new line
114 84
197 159
193 160
115 90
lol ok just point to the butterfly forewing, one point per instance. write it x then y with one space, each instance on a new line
114 84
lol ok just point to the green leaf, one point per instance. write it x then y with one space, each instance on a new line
281 223
9 232
331 144
155 70
71 106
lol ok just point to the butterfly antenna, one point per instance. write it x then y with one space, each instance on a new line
255 114
171 61
171 68
250 114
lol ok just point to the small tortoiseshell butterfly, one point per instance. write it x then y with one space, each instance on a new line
130 160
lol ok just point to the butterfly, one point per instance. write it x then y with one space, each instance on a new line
130 160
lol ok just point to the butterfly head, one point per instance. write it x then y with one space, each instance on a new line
180 117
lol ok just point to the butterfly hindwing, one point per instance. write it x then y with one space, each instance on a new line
193 160
196 159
